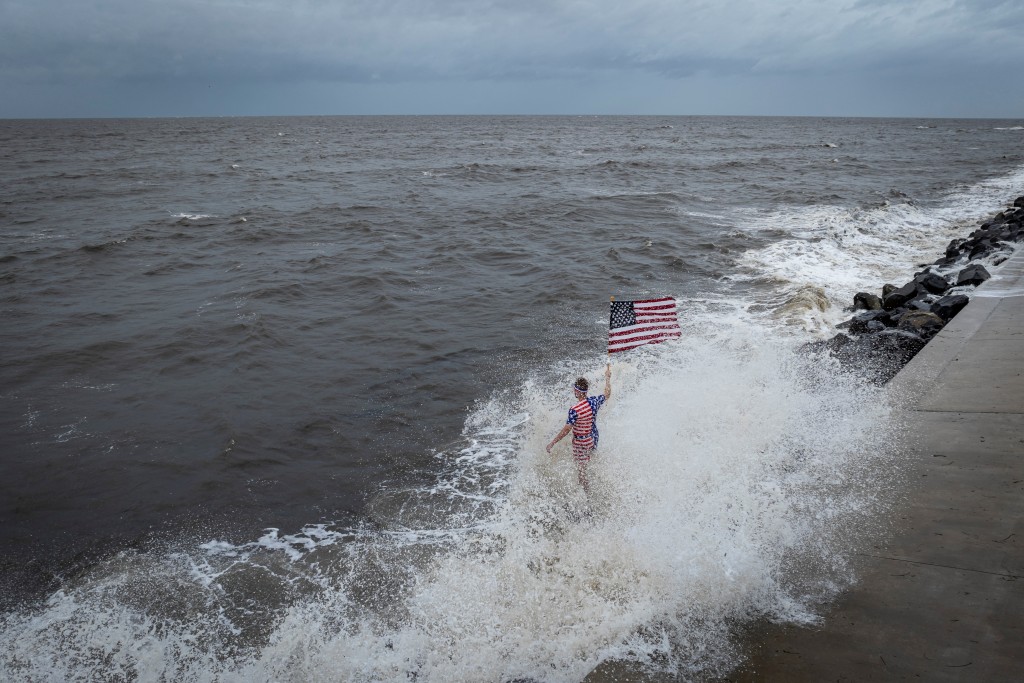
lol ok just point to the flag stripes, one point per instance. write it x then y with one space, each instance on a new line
648 321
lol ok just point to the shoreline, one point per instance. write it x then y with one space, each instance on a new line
890 328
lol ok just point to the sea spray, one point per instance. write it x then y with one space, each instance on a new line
733 482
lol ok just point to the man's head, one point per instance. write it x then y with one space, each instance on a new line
581 385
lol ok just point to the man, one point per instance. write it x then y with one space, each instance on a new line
582 423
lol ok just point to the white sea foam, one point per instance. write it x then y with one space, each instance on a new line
700 214
837 251
192 216
732 481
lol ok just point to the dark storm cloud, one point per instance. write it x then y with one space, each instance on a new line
401 39
407 41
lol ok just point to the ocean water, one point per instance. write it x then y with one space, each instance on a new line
274 393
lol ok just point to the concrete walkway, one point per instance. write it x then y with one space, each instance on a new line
943 600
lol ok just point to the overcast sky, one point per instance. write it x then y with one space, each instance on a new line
943 58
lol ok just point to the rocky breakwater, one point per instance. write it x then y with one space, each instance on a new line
889 328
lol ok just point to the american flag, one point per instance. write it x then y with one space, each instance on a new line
635 323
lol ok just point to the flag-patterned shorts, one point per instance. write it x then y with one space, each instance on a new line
582 448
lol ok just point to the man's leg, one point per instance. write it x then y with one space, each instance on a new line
581 470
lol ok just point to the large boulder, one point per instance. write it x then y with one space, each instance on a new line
871 321
866 301
953 250
982 249
900 297
892 318
922 323
972 275
936 284
949 306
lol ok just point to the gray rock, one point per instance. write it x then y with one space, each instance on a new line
900 297
891 318
863 323
981 250
925 324
866 301
936 284
949 306
972 275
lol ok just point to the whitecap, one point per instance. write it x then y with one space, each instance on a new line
192 216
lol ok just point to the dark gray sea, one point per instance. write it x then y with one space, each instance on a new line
274 392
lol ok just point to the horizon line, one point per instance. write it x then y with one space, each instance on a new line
506 115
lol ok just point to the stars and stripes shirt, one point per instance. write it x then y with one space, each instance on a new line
583 418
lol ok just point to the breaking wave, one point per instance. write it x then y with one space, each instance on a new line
733 480
838 251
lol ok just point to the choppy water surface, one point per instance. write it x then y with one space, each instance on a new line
274 392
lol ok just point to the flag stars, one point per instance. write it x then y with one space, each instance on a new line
622 314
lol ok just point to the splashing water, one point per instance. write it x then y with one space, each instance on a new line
732 482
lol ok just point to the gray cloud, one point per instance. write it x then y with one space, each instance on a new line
55 42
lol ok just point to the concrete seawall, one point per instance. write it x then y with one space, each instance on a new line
943 600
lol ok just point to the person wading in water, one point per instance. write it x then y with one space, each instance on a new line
582 423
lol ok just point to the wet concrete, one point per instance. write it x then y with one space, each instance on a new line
943 599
